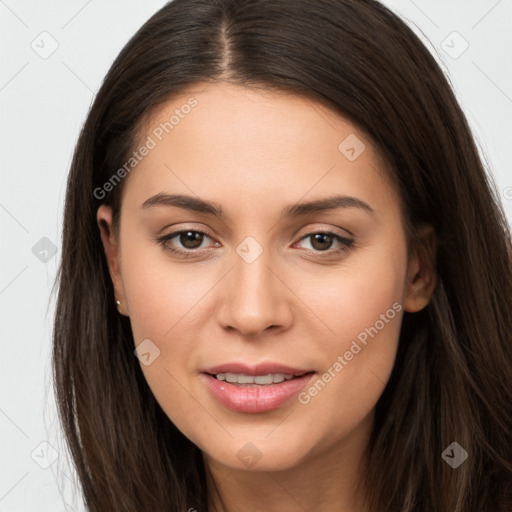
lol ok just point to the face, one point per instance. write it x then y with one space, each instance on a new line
285 256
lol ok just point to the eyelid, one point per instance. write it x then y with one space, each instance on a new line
323 228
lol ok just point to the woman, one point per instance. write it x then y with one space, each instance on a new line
286 277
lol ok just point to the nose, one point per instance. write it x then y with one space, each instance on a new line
255 298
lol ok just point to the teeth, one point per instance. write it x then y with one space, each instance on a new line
271 378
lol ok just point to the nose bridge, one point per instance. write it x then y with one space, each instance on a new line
255 297
253 279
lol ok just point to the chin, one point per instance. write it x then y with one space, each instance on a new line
258 455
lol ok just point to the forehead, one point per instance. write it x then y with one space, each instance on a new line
223 137
245 114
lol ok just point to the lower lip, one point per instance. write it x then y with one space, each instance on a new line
255 399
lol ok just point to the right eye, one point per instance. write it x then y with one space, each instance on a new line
190 239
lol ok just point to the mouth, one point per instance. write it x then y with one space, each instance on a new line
254 391
244 380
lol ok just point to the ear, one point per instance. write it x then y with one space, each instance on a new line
111 247
421 273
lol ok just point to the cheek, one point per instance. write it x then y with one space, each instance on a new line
355 295
362 308
162 295
164 300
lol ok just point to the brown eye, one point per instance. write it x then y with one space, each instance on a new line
323 242
184 242
191 239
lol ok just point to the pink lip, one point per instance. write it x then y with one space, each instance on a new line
257 398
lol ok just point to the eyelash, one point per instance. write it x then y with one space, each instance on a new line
346 243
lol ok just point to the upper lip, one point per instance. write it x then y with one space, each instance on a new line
258 369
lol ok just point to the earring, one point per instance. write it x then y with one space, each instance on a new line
118 303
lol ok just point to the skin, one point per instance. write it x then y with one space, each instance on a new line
253 153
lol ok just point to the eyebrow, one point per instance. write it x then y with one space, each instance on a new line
296 210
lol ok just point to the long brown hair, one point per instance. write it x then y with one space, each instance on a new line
452 381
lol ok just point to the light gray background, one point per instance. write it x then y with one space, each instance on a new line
43 103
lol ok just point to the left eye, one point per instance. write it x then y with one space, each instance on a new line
322 241
191 239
